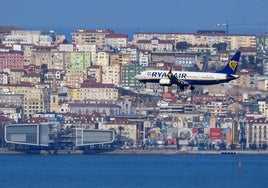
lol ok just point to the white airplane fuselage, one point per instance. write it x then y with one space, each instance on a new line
184 78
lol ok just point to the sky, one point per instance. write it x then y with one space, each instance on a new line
125 16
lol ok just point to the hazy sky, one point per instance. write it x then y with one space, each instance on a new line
244 16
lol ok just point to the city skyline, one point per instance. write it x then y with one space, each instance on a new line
135 16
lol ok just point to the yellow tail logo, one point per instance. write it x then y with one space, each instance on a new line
233 64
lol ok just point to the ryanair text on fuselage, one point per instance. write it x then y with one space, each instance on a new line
158 74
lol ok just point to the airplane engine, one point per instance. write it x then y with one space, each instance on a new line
165 82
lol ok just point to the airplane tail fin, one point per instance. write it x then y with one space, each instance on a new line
231 67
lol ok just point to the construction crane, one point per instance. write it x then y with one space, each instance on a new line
223 24
226 25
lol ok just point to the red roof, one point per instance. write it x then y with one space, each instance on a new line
96 85
115 35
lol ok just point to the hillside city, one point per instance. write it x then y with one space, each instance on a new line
89 83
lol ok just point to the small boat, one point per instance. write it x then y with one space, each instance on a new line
239 165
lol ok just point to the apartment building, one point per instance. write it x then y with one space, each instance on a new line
115 59
265 66
263 82
11 111
15 75
125 59
263 107
95 72
95 37
11 60
102 58
88 108
149 35
156 45
248 78
80 60
27 50
217 108
98 91
59 60
31 78
74 77
4 78
145 58
234 41
132 51
256 131
36 97
128 75
28 37
41 55
92 48
111 75
66 47
116 40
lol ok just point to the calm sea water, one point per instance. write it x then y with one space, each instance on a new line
133 171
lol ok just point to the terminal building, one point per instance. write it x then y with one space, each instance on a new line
47 134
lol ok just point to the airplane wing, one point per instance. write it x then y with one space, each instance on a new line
175 80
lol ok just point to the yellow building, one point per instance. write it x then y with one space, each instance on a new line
263 83
74 93
97 91
36 97
102 58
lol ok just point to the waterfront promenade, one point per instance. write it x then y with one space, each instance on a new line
140 152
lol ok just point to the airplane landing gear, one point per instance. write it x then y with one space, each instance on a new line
192 88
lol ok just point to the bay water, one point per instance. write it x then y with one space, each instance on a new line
127 170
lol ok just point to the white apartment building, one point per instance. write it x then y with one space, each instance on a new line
155 45
27 37
116 40
234 41
256 131
111 75
92 48
102 58
132 51
263 107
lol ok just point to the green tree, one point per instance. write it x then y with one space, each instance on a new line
182 46
120 128
253 146
264 146
220 46
222 146
233 146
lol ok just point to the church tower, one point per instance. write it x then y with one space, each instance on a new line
54 98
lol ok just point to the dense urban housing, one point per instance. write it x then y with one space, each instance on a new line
82 94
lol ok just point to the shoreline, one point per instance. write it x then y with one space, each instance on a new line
4 151
180 152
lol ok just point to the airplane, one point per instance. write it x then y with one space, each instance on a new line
185 78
